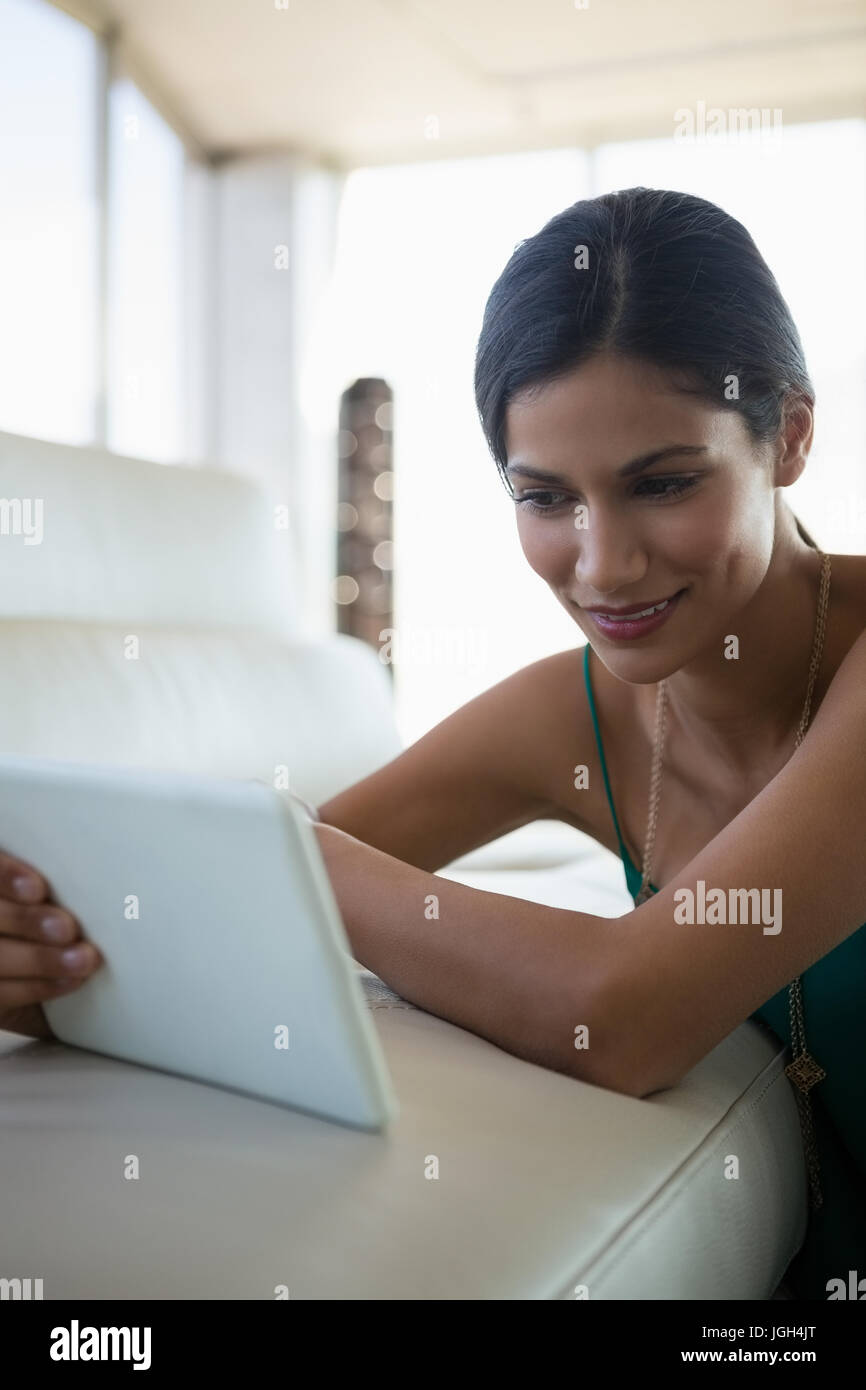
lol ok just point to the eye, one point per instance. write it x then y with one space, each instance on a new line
667 487
531 501
664 488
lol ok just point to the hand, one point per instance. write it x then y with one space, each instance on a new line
32 967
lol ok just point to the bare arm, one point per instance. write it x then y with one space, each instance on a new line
490 767
521 974
656 993
685 986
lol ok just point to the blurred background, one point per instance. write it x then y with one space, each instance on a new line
258 235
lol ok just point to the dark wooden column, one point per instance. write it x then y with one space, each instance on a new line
363 586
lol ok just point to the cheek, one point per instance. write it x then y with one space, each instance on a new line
712 532
549 548
727 540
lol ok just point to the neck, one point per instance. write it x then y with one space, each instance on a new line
747 711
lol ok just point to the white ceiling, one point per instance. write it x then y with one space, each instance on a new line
353 82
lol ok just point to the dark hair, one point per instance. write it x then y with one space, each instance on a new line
671 280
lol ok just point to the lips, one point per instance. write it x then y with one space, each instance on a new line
636 621
623 615
633 610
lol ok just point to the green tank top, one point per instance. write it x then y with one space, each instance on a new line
834 1007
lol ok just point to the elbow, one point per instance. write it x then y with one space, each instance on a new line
646 1074
628 1080
639 1078
597 1022
621 1053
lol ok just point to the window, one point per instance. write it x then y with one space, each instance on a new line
145 275
49 223
104 250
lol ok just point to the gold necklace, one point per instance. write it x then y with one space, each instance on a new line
804 1071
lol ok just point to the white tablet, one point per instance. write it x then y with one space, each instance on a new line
225 957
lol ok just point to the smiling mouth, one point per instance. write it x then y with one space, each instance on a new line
633 617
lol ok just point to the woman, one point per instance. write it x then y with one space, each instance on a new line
643 391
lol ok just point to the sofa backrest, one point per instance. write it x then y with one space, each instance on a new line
147 619
126 540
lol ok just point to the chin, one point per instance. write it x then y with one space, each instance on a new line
639 665
637 672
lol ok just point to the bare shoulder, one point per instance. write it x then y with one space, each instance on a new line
846 627
554 753
510 755
848 590
566 756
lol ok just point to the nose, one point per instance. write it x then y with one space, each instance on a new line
610 556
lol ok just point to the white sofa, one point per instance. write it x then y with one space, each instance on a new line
548 1188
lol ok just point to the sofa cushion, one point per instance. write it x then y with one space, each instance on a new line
498 1180
131 541
219 702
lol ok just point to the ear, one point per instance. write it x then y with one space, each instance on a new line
795 439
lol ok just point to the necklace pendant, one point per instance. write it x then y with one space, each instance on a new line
805 1072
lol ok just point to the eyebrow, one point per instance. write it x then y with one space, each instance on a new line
628 470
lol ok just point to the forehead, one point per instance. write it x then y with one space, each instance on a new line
611 409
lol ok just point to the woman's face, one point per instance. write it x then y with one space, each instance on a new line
694 526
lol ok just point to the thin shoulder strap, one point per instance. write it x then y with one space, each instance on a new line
623 851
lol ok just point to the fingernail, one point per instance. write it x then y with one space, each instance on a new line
56 928
26 888
77 956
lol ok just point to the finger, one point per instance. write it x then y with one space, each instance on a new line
45 922
16 994
24 960
29 1019
19 880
